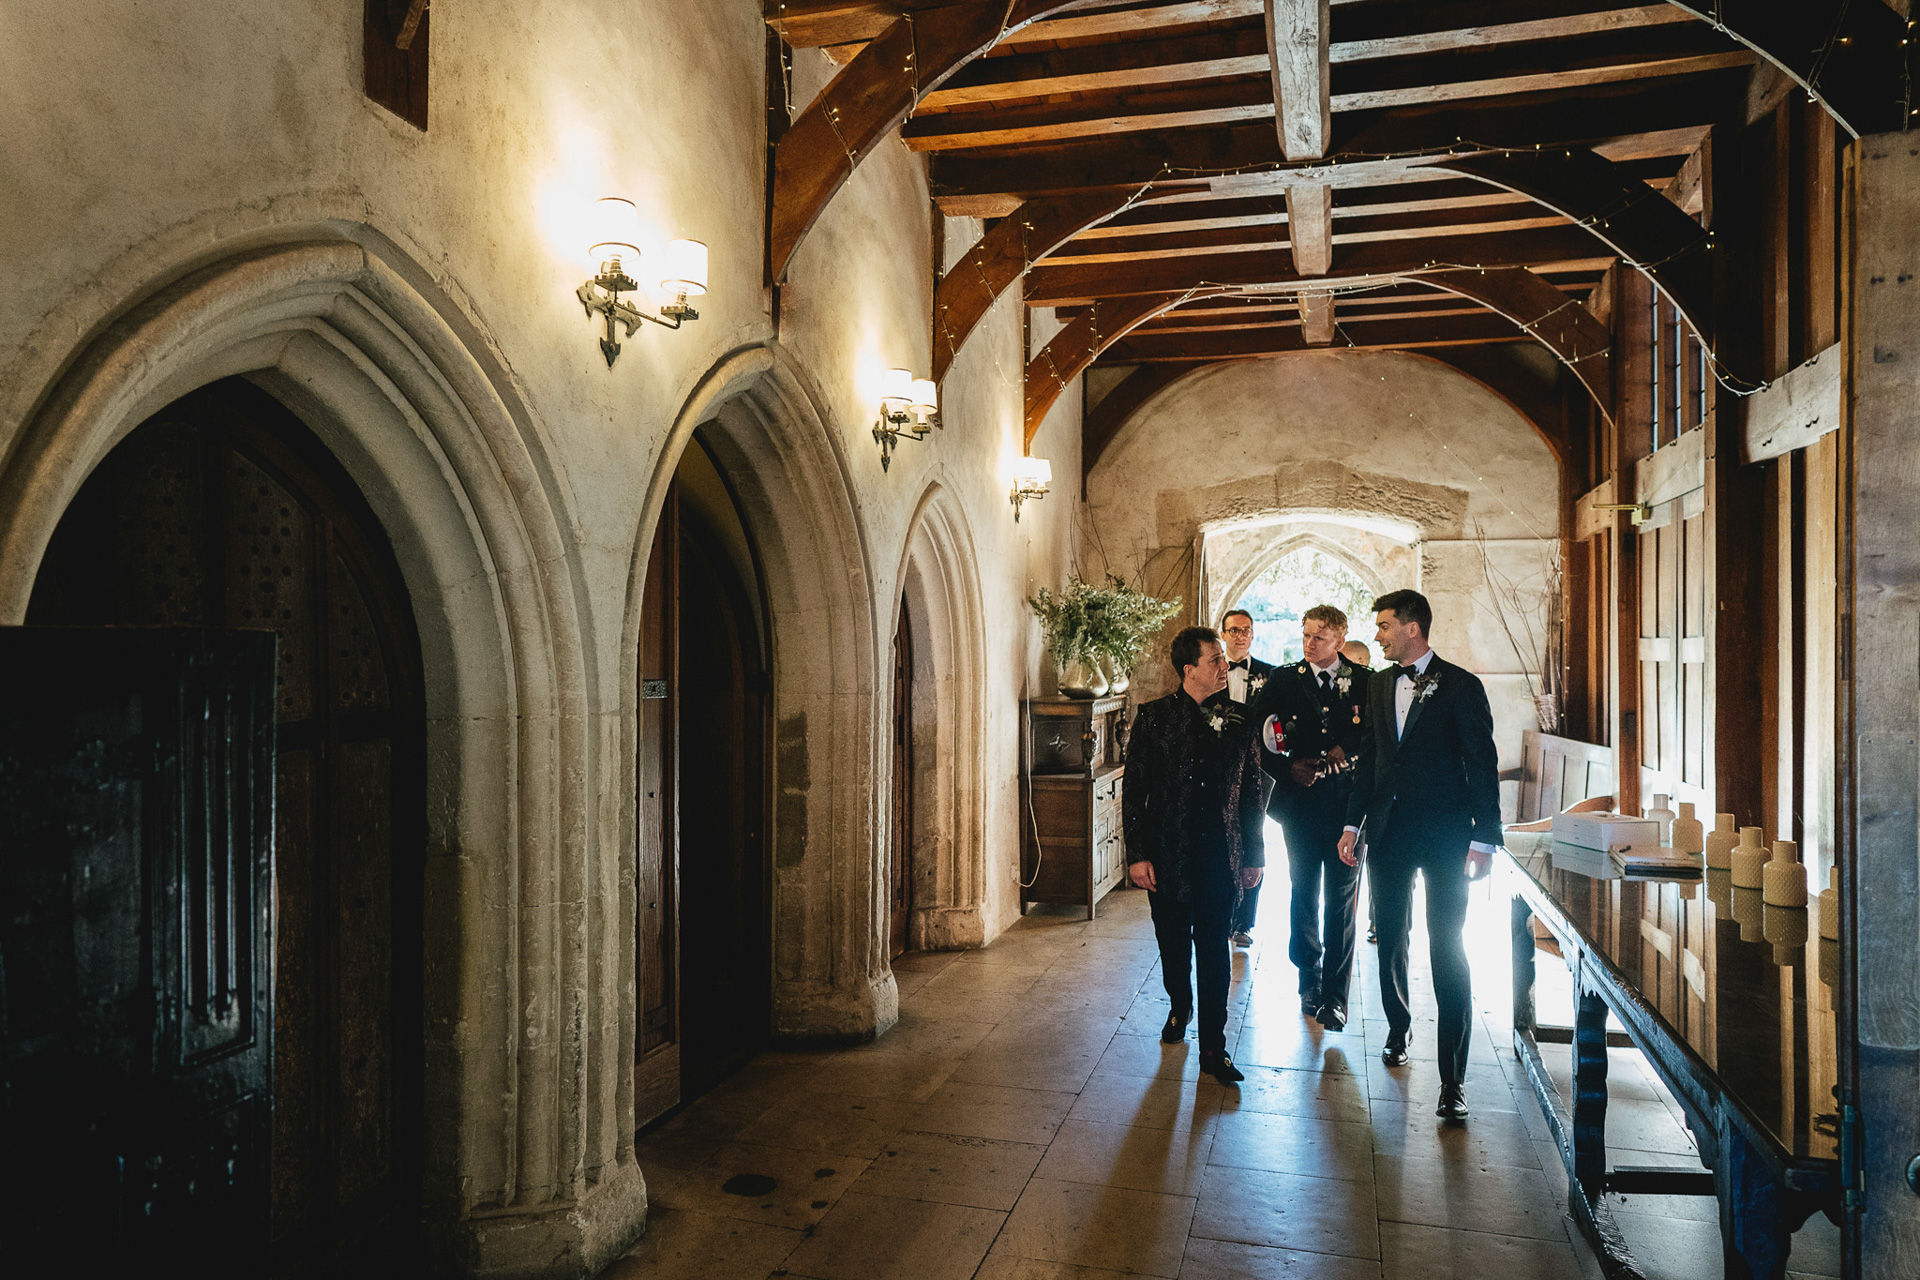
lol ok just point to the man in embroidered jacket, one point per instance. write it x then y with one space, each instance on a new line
1193 835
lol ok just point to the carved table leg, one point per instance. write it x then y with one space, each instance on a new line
1753 1219
1589 1089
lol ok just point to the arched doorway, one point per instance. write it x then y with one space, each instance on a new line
224 511
1303 575
703 918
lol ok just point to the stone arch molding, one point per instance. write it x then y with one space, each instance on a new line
1238 567
763 422
526 1034
940 586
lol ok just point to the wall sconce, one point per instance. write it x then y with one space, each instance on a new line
1032 478
616 247
909 408
1639 512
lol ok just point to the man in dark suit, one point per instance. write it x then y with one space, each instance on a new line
1193 835
1429 800
1247 676
1316 710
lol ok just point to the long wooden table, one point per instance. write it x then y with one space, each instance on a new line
1733 1004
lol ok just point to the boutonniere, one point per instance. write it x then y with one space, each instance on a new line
1344 683
1220 715
1254 685
1423 686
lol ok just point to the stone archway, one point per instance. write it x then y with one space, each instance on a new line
768 436
522 1006
1236 557
940 587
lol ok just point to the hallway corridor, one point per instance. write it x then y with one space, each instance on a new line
1023 1122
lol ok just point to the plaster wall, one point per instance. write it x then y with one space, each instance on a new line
232 133
1331 442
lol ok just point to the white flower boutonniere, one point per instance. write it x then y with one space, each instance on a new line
1218 717
1257 683
1343 684
1424 686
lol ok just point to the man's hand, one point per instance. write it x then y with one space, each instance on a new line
1479 862
1349 843
1141 873
1306 772
1338 755
1250 877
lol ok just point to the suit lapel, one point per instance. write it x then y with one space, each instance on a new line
1386 732
1419 704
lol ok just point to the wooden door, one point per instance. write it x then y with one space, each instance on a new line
224 511
900 854
703 896
136 976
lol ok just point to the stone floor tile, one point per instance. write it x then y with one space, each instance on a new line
1169 1161
1419 1083
1492 1198
978 1172
902 1077
844 1125
1672 1248
1287 1211
1438 1253
1294 1144
1304 1047
992 1111
1331 1095
805 1185
1229 1260
1061 1068
1149 1102
1004 1265
1140 1056
1646 1126
917 1033
1093 1226
882 1238
1489 1137
698 1246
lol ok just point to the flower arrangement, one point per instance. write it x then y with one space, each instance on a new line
1087 623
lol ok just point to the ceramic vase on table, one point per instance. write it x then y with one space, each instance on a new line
1082 679
1117 680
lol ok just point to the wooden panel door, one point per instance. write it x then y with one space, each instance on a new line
656 911
223 510
900 844
136 971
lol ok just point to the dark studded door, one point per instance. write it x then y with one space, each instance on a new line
900 853
224 511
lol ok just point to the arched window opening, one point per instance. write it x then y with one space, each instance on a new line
1297 581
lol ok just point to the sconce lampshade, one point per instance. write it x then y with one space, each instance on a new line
1033 473
924 396
613 229
686 268
897 385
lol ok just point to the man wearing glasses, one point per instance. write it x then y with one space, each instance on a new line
1246 677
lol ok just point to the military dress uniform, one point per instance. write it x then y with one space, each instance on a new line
1315 710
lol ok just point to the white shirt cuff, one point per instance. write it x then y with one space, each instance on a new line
1479 847
1355 830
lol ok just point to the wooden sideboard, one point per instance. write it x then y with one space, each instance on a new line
1072 845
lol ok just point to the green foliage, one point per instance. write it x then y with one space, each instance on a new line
1296 582
1114 623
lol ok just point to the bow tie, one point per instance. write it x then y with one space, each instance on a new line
1240 665
1411 673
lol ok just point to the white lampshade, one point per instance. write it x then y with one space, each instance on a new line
924 396
686 268
1033 473
613 230
897 384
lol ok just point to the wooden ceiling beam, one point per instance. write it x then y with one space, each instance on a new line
1067 355
1056 284
1174 322
1310 227
809 24
1183 213
1851 61
1441 331
1000 257
870 98
1298 35
1273 233
1646 229
1562 324
1663 117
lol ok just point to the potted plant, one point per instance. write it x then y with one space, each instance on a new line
1131 622
1090 627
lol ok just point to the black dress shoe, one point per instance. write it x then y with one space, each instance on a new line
1220 1067
1175 1031
1332 1018
1394 1055
1309 1003
1453 1103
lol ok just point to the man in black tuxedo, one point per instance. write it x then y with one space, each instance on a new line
1193 835
1429 799
1316 710
1247 676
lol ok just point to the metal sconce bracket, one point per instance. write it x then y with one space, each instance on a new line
894 426
1641 512
608 304
1022 494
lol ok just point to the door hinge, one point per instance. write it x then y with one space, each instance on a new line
1852 1171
